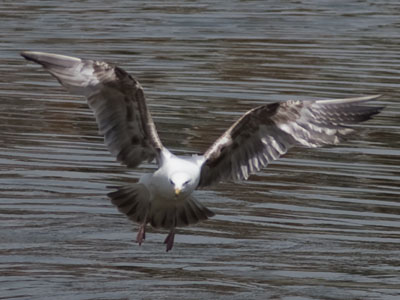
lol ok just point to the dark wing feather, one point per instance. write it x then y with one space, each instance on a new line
117 100
265 133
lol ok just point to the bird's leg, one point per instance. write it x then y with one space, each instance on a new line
141 235
169 240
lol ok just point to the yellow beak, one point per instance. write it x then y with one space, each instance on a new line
177 191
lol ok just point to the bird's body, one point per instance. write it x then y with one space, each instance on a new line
164 199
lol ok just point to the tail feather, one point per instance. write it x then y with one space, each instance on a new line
133 201
188 212
200 211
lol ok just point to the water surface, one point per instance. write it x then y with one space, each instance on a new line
317 224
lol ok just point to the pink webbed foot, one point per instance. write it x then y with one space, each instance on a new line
141 235
169 240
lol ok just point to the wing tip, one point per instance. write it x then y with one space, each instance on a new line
29 55
50 59
375 110
350 100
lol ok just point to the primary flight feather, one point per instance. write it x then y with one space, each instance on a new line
164 198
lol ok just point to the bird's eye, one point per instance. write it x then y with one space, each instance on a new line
186 182
171 182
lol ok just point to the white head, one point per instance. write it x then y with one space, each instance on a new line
181 183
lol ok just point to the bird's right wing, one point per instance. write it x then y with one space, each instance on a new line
117 100
266 132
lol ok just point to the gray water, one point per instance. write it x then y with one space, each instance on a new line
317 224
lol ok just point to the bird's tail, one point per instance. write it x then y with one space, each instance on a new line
133 201
178 214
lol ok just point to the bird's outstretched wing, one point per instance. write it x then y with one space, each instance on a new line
266 132
117 100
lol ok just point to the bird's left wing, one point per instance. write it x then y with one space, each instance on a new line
117 100
266 132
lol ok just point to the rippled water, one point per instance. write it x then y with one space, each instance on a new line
318 224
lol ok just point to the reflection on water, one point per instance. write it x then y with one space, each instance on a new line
318 224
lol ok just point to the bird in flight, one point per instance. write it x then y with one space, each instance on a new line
164 199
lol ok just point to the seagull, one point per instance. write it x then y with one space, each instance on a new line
164 198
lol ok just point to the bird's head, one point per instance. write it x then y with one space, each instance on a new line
180 183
